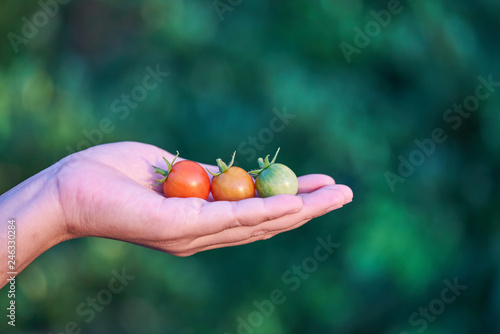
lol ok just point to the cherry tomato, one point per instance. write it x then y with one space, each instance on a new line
274 178
231 183
184 179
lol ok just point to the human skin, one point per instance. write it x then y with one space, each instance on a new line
108 191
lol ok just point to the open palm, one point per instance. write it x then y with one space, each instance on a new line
108 191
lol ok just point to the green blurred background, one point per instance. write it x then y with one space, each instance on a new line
230 64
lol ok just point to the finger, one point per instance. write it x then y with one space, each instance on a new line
190 217
193 250
311 182
223 215
315 204
323 200
241 241
346 191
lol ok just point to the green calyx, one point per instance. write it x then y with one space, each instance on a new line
165 172
222 165
264 163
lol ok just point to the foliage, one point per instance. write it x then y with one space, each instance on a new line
253 76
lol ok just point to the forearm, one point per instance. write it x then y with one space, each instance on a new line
39 221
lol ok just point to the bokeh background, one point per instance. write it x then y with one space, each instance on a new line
230 64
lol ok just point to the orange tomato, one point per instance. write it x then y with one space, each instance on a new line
234 184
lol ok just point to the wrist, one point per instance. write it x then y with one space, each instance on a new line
39 219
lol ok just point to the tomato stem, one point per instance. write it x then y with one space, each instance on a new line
232 160
165 172
222 165
162 172
274 159
264 163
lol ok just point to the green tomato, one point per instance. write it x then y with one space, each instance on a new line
274 178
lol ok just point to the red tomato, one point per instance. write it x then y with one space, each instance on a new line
184 179
233 184
187 179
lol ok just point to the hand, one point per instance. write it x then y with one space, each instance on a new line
107 191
